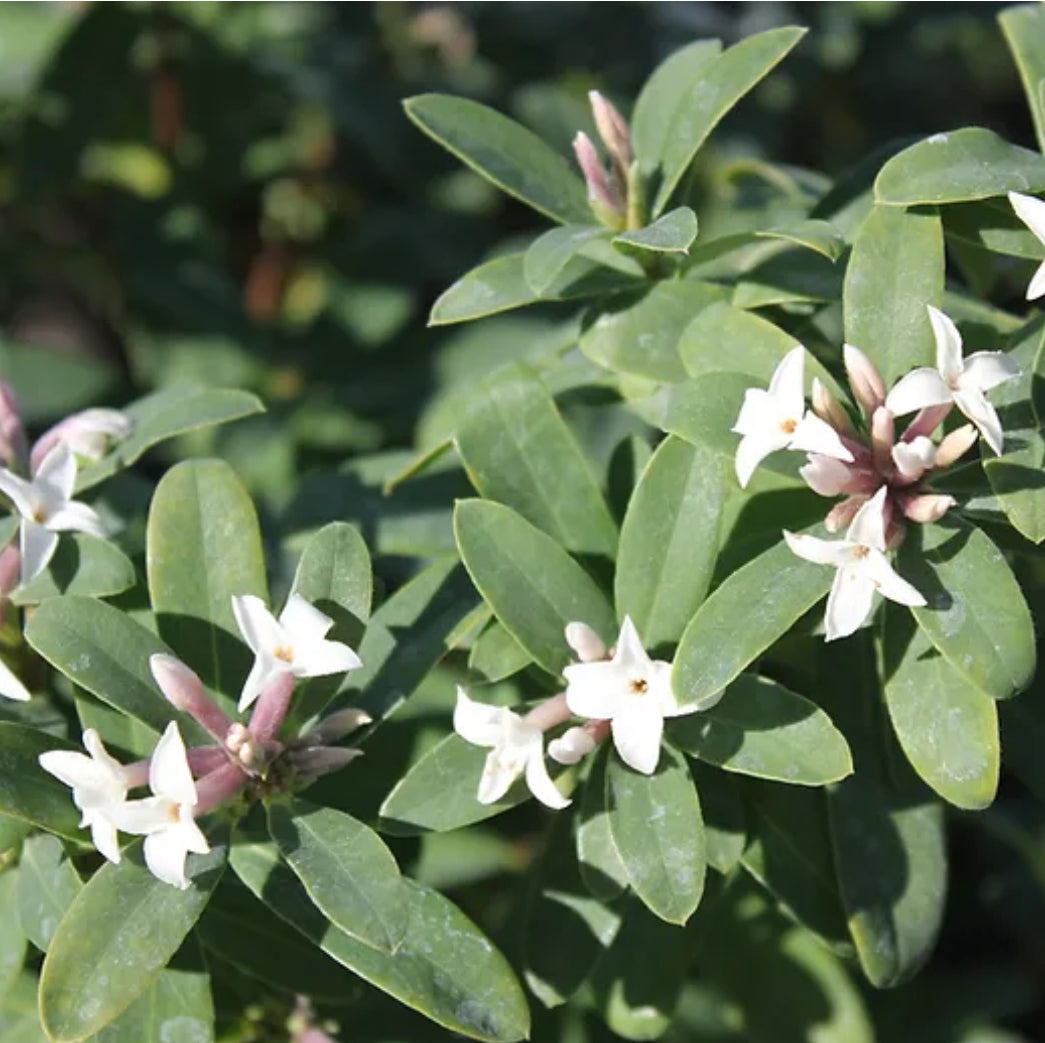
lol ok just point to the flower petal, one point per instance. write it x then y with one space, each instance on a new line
973 403
757 413
497 778
637 730
257 625
37 545
77 517
76 770
104 838
169 772
594 689
948 344
303 621
820 552
1036 288
478 723
913 459
20 492
10 686
1030 211
540 782
165 854
753 449
889 583
987 369
787 383
825 475
191 834
817 436
57 472
849 603
261 674
868 525
920 388
322 658
148 815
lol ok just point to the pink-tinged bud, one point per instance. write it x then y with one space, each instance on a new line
839 517
235 737
895 532
613 129
572 746
10 568
864 378
883 436
271 708
87 434
205 759
185 691
255 757
585 642
550 713
336 726
606 202
830 410
955 445
13 451
314 1035
926 507
829 477
913 459
218 787
926 421
312 761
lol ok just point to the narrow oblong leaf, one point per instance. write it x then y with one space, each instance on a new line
496 654
533 586
47 886
657 828
755 345
82 564
600 864
27 792
725 823
1024 28
671 233
504 152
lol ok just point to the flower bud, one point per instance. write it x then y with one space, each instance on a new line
337 725
312 761
864 378
955 445
573 745
926 507
613 129
605 201
87 434
271 707
883 435
218 787
839 517
914 458
826 476
235 737
590 648
926 421
185 691
830 410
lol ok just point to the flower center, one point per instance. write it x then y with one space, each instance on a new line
285 652
861 551
639 686
39 515
788 426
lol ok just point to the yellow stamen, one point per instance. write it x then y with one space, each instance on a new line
639 686
285 652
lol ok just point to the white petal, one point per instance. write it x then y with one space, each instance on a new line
662 693
889 584
148 815
594 689
303 621
37 545
191 834
975 406
497 778
849 603
757 413
825 476
630 653
21 493
10 686
257 625
868 525
637 729
920 388
987 369
103 836
540 782
1036 288
72 768
77 517
753 449
787 384
169 772
57 472
817 436
572 746
478 723
1030 211
321 658
585 642
263 671
914 458
948 344
165 856
820 552
92 743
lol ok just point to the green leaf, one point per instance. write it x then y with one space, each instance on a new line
29 793
82 564
548 254
116 937
814 234
892 871
789 277
760 728
976 615
895 270
1024 29
725 824
496 654
102 649
663 96
166 414
669 540
672 233
720 85
755 345
638 333
962 165
12 940
335 567
599 861
19 1021
992 224
504 152
518 451
445 967
47 886
533 586
750 610
947 727
204 546
346 869
657 828
500 285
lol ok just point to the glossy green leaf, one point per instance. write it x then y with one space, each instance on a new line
976 615
166 414
703 410
116 937
29 793
82 564
47 885
663 96
496 654
102 649
548 254
445 967
744 615
814 234
760 728
956 167
534 587
947 727
19 1021
518 451
638 333
723 338
895 270
658 831
725 823
670 537
335 567
204 546
599 861
671 233
892 871
346 869
504 152
1024 29
12 939
720 85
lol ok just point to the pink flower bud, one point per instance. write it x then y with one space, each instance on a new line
926 507
572 746
13 451
864 378
605 201
185 691
926 421
205 759
883 435
550 713
218 787
587 644
830 410
310 762
827 476
839 517
271 708
914 458
955 445
613 129
235 737
337 725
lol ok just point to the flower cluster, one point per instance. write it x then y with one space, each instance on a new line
881 475
186 784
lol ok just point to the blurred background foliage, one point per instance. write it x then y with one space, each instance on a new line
229 194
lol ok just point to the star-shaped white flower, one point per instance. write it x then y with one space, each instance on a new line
294 644
517 749
47 508
87 434
10 686
778 419
957 380
634 693
166 819
99 784
862 567
1031 212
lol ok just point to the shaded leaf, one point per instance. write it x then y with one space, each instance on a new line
47 885
82 564
671 233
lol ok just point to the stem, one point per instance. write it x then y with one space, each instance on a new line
549 713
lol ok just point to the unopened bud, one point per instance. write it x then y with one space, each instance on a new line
825 475
839 517
864 378
312 761
573 745
271 707
926 421
927 507
613 129
235 737
205 759
590 648
185 691
883 435
87 434
606 202
913 459
218 787
955 445
337 726
830 410
12 433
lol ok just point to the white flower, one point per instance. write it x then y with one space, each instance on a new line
87 434
631 691
957 380
166 818
517 747
98 782
862 568
47 508
572 746
912 459
777 419
1031 212
10 686
293 644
